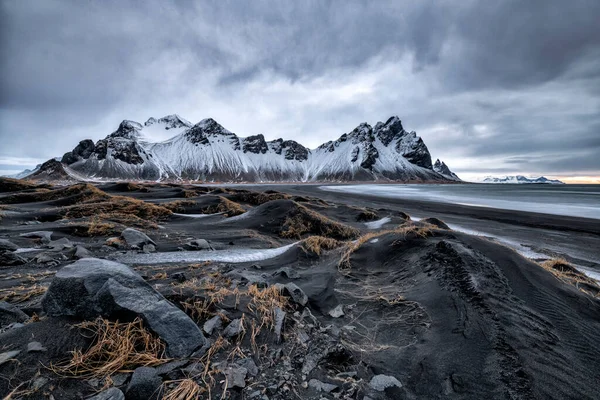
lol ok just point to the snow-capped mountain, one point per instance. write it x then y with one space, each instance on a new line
520 179
207 151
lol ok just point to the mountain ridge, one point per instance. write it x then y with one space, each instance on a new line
520 179
207 151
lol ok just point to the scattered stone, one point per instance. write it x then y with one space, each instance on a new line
231 244
115 242
109 394
44 258
321 386
135 238
39 382
7 245
235 376
382 382
199 244
35 347
250 365
7 259
255 266
234 328
337 312
45 236
145 384
171 366
92 287
436 222
9 313
279 318
119 379
60 244
4 357
82 252
149 248
287 272
179 277
296 293
212 324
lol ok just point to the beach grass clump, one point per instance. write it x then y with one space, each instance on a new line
563 270
16 185
117 347
226 206
302 221
74 194
317 244
117 207
21 294
182 389
179 206
257 198
367 215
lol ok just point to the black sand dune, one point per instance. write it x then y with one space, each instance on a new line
409 310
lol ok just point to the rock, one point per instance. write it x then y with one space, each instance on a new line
337 312
35 347
199 244
236 376
8 258
120 379
179 277
149 248
45 236
171 366
144 385
39 382
212 324
279 318
382 382
10 313
234 328
44 258
296 293
4 357
135 238
287 272
92 287
60 244
7 245
321 386
82 252
250 366
109 394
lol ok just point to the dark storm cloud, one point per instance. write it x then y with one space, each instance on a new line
510 85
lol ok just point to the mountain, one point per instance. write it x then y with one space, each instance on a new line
206 151
520 179
27 172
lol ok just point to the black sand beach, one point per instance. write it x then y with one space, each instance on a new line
296 292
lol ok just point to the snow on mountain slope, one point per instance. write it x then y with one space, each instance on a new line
207 151
441 168
520 179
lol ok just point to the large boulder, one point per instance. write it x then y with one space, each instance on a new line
136 239
91 288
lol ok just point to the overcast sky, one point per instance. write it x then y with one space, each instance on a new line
493 87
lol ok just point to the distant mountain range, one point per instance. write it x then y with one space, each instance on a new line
206 151
520 179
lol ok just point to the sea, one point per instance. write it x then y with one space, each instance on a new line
569 200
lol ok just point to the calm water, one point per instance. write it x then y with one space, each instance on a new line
571 200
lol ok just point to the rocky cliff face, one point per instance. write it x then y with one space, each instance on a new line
209 152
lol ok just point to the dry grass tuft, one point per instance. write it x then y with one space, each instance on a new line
129 187
304 221
226 206
117 347
179 206
258 198
316 244
367 215
21 294
563 270
186 389
16 185
123 209
74 194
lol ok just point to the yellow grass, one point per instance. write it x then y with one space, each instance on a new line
304 221
186 389
21 294
317 244
258 198
117 347
179 205
563 270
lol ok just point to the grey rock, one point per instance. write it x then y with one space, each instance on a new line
35 347
4 357
135 238
92 287
120 379
144 385
212 324
9 314
199 244
39 382
250 366
296 293
279 319
236 376
60 244
149 248
287 272
171 366
45 236
382 382
109 394
44 258
337 312
321 386
82 252
234 328
7 245
7 259
179 277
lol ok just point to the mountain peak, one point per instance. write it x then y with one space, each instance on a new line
128 129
